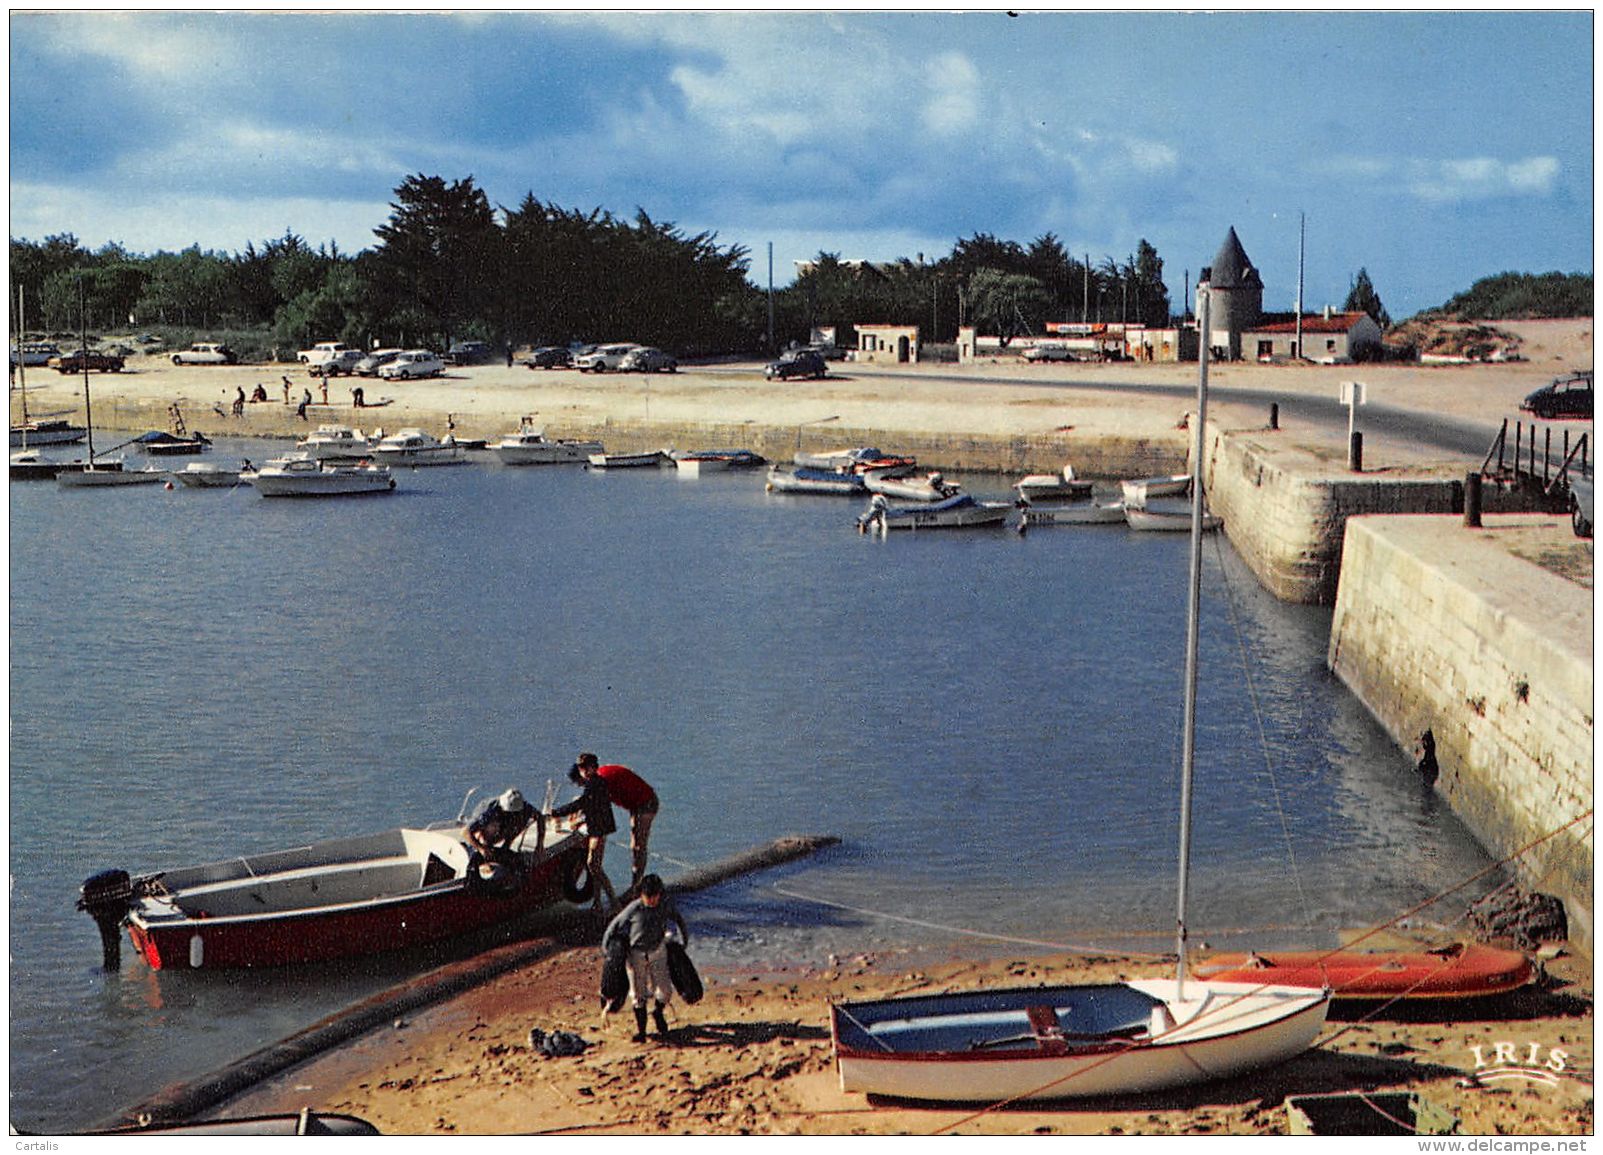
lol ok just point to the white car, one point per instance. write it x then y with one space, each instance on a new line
645 359
370 365
321 351
412 363
345 361
1048 353
603 357
206 353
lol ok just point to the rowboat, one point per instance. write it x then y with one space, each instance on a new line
297 475
694 464
1456 971
1057 486
339 898
1137 492
1070 513
807 479
1173 520
905 487
627 460
960 511
529 446
1002 1045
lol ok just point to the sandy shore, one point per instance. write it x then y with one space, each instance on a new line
753 1058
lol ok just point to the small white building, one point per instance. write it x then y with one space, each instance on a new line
1329 337
897 343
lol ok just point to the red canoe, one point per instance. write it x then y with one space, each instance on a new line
1458 971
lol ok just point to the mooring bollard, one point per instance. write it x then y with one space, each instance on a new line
1355 452
1472 500
1274 415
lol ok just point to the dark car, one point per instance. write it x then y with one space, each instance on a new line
549 357
1565 397
797 363
469 353
81 359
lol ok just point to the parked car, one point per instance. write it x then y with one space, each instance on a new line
412 363
1048 352
206 353
469 353
1581 502
549 357
645 359
81 359
345 361
602 358
370 365
35 353
321 351
797 363
1569 396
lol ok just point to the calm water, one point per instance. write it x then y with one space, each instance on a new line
990 723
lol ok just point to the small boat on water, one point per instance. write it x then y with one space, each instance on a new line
906 487
207 475
1087 512
530 446
627 460
31 433
415 448
338 898
1056 486
859 460
101 474
335 443
160 443
1137 492
1456 971
960 511
298 475
1175 519
694 464
30 465
807 479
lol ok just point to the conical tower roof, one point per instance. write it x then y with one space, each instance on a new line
1231 268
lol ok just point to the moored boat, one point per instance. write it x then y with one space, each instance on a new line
298 475
33 433
1063 485
859 460
160 443
530 446
960 511
1089 512
1172 520
30 465
1137 492
101 474
906 487
1455 971
207 475
416 448
806 479
697 462
335 443
627 460
338 898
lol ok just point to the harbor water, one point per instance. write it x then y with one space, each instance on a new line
989 721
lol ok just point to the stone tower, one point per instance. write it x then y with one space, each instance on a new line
1237 295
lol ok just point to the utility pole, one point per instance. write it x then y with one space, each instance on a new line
1302 230
770 296
1085 300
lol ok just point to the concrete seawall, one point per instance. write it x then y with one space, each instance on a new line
1446 628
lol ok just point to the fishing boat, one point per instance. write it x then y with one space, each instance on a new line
1461 970
207 475
906 487
1056 1042
1137 492
627 460
298 475
697 462
335 443
960 511
1063 485
808 479
338 898
1171 519
1087 512
416 448
530 446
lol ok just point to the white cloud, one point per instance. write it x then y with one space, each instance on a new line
1481 178
954 104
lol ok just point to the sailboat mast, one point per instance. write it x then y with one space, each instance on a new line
83 339
1193 614
22 370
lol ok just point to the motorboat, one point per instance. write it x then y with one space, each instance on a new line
1174 519
207 475
1063 485
1136 493
1460 970
694 464
335 443
1087 512
300 475
893 482
530 446
338 898
807 479
961 511
32 433
416 448
627 460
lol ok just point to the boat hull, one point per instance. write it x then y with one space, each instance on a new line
47 433
808 479
960 512
420 458
181 930
625 460
99 478
1073 513
545 452
998 1046
1171 521
1136 493
1462 971
207 478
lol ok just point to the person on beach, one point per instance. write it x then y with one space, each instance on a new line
634 794
286 389
502 822
595 804
239 402
306 399
358 396
643 925
260 395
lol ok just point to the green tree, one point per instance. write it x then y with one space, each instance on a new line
1008 304
439 253
1361 297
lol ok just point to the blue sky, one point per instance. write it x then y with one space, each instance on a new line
1431 148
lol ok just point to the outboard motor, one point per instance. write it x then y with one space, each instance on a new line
108 897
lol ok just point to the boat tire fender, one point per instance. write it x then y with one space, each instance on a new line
572 889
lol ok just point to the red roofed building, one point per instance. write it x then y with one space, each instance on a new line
1327 337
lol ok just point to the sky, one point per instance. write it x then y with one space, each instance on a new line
1429 148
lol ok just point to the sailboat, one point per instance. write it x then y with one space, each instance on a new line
1060 1042
27 464
100 473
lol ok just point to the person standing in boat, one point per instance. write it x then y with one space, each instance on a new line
643 925
634 794
502 823
595 804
